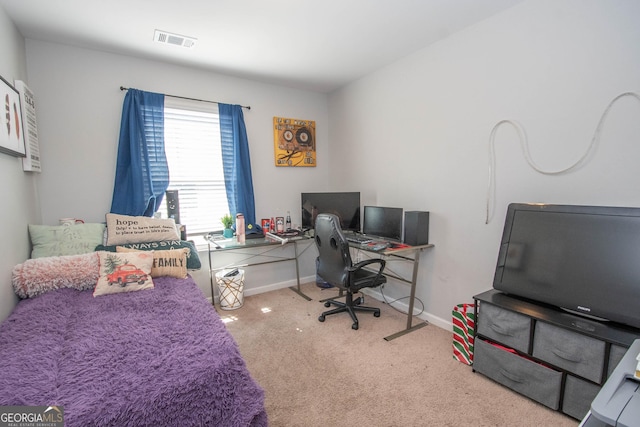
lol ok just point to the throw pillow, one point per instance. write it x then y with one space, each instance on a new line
120 272
171 263
37 276
58 240
123 229
193 260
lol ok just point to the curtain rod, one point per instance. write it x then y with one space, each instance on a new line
248 107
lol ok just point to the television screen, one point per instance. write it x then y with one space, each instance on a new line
383 222
580 258
345 205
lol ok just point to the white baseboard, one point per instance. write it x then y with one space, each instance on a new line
274 286
404 307
374 293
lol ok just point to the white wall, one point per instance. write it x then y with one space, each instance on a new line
422 126
79 109
18 191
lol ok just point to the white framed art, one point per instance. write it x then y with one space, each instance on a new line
31 161
11 130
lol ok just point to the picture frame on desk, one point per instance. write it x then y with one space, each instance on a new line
11 130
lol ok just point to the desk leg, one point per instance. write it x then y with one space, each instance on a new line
213 300
414 280
296 289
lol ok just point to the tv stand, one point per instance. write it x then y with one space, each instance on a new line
586 316
553 357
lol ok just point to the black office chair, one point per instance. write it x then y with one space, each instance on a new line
336 268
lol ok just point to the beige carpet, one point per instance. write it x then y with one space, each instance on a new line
326 374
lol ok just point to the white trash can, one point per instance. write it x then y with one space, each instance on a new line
231 289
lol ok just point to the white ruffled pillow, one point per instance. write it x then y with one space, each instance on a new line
39 275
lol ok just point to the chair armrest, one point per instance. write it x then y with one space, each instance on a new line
362 264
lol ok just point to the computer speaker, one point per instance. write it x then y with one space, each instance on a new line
173 205
416 228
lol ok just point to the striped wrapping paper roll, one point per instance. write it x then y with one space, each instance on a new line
463 325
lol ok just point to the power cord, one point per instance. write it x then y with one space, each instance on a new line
525 148
398 299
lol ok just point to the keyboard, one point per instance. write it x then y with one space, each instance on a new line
359 240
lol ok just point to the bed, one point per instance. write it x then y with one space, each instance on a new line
156 357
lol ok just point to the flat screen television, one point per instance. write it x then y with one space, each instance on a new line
346 205
385 222
585 259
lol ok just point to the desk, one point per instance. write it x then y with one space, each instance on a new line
255 252
410 254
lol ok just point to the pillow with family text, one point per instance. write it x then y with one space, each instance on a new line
172 263
122 229
193 260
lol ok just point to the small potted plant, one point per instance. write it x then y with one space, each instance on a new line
227 222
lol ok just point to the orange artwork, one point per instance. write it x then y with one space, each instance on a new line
294 142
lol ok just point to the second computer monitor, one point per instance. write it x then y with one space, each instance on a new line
383 222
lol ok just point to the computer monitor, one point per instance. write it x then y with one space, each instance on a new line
346 205
383 222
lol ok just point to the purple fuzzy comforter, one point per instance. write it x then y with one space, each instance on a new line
159 357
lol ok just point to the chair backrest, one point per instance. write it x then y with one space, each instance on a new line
334 258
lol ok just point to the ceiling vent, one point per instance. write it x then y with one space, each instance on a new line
174 39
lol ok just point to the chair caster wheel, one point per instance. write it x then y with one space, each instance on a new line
376 314
327 304
354 326
321 318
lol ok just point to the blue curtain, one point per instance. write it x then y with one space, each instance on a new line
236 162
142 172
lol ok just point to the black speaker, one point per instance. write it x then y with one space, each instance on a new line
416 228
173 205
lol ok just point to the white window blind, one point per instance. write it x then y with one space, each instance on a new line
192 146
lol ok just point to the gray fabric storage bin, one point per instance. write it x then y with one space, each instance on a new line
529 378
574 352
504 326
578 395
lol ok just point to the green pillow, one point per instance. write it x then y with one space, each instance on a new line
59 240
193 260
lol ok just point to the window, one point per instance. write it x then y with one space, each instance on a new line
194 155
